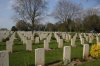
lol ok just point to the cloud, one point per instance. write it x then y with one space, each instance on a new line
10 3
97 8
6 13
6 23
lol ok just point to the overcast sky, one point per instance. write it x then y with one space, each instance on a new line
6 12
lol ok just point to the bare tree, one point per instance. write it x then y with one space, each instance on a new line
90 12
66 9
29 10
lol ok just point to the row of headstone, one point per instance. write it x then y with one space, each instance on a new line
30 36
4 34
73 40
59 40
40 55
87 38
65 36
10 43
47 41
29 42
68 37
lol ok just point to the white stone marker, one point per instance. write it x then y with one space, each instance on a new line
4 58
82 41
67 38
90 39
67 54
60 44
32 38
9 46
73 42
24 40
29 45
87 38
39 57
97 39
46 45
85 51
57 38
37 40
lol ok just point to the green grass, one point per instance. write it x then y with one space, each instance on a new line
2 45
92 63
21 57
26 58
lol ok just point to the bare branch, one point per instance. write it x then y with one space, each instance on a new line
66 9
29 10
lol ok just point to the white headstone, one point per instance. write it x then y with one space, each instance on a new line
4 58
73 42
67 38
67 54
46 45
58 39
32 38
37 40
60 44
82 41
9 46
97 39
39 57
29 45
85 51
90 39
87 38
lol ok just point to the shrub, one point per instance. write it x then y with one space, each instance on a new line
95 51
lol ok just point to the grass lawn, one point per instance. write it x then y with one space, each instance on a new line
2 45
93 63
21 57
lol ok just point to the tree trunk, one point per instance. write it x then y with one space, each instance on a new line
33 25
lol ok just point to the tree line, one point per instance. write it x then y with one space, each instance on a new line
70 16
